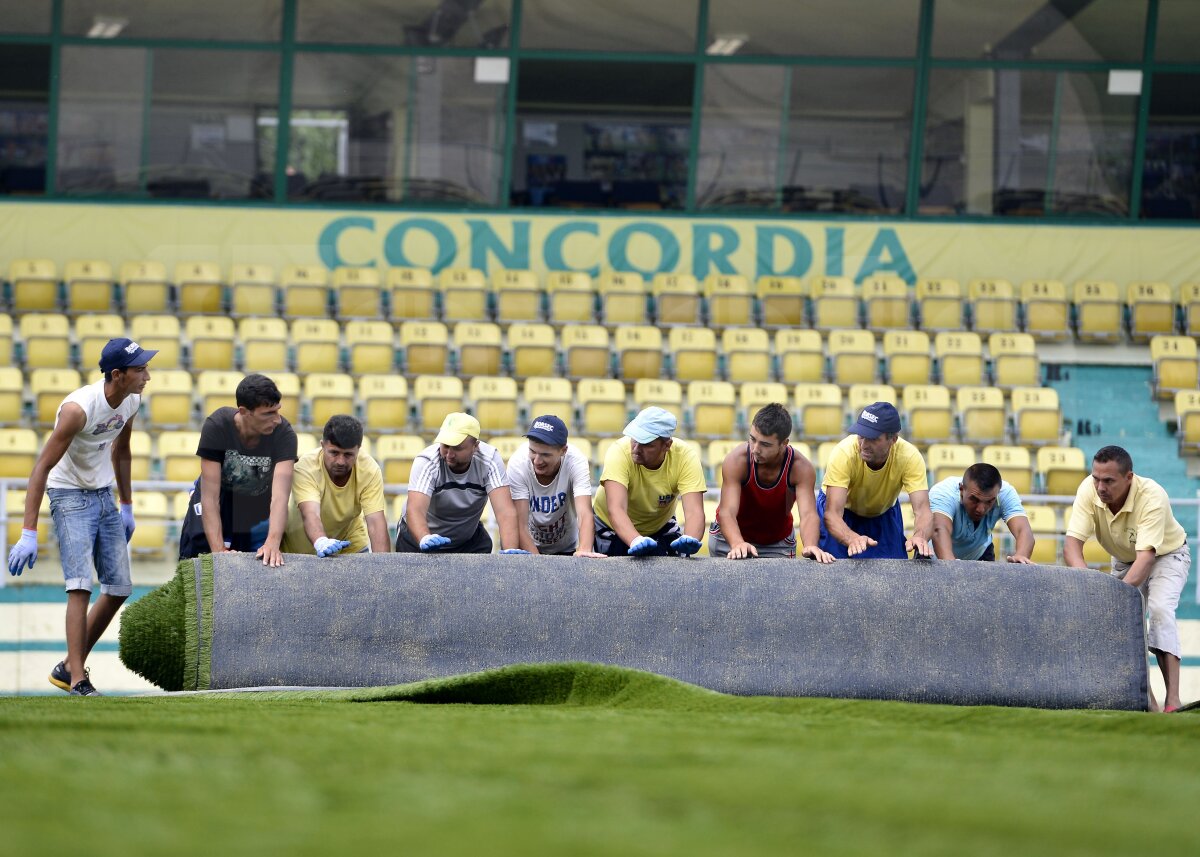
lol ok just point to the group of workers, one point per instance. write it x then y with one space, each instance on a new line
257 494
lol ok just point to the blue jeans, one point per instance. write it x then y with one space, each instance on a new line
91 539
886 529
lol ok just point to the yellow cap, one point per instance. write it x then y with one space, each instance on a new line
456 428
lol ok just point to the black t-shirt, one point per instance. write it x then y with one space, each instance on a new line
246 472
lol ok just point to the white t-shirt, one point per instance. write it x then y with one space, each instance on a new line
87 462
552 519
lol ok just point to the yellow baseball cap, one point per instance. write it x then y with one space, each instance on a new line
456 428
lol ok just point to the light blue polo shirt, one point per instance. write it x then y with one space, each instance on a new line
971 539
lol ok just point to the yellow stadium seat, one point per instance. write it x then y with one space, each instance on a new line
168 396
801 355
861 395
1187 413
16 512
34 284
6 340
940 305
906 354
317 343
305 291
411 295
981 414
1098 311
289 392
1095 556
585 350
747 353
948 459
217 390
371 347
518 296
384 402
47 340
885 302
820 411
18 452
159 333
494 403
1189 301
12 396
781 301
479 348
436 396
852 357
993 306
1061 469
753 395
264 343
144 287
464 294
425 346
1175 365
358 292
659 393
1014 464
928 416
141 449
693 353
395 453
1043 520
602 406
150 536
714 408
834 303
89 286
546 395
92 332
177 451
639 351
1044 305
1151 310
960 358
507 445
571 298
252 291
48 388
211 339
676 299
730 300
1036 416
622 298
199 287
533 348
714 457
328 393
1014 360
824 453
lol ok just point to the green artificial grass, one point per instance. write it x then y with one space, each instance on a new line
579 759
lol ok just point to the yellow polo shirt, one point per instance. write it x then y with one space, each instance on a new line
873 492
1143 523
652 493
342 508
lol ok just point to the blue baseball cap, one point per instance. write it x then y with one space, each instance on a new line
122 353
877 418
548 429
651 424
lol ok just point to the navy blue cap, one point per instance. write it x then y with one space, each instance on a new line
123 353
548 429
877 418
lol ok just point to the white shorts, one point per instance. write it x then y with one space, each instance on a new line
1160 591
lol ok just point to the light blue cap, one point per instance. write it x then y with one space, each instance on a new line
651 424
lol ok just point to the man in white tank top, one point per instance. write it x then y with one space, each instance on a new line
87 451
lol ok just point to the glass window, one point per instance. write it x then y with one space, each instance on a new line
165 123
1013 142
24 109
481 24
25 16
1171 172
602 134
740 136
811 28
240 20
1099 31
661 26
1178 37
370 128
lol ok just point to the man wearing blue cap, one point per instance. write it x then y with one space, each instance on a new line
87 451
644 474
551 486
859 501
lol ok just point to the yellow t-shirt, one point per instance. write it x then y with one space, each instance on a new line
1144 522
873 492
342 509
652 493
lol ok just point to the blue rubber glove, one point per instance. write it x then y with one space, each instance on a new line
433 541
685 545
24 551
326 546
514 550
127 520
643 545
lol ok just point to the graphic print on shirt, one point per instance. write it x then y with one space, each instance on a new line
248 475
114 423
548 533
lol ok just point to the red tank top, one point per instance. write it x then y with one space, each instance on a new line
765 514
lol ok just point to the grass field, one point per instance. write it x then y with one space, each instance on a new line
587 760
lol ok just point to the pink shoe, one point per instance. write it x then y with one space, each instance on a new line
1167 709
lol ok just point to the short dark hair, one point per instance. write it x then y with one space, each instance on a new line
983 476
1115 453
256 391
774 419
343 431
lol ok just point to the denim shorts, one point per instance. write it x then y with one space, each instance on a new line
91 539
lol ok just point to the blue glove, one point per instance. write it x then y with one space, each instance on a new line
24 551
127 520
326 546
514 550
433 541
685 545
642 546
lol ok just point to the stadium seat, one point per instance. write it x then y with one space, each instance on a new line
358 293
89 286
1098 312
824 452
6 340
693 353
18 451
92 333
317 344
1175 365
494 403
1096 556
885 302
1189 301
305 291
658 392
639 352
1044 306
217 390
1061 469
507 445
906 355
517 295
15 509
436 396
861 395
1151 310
12 396
993 306
371 347
253 291
34 285
425 346
46 340
585 350
948 459
753 395
730 300
834 303
928 417
714 408
1043 520
141 450
168 396
177 451
622 298
676 299
289 392
1187 413
395 453
602 406
411 295
582 444
479 348
144 287
327 393
852 357
150 536
211 340
960 359
533 349
264 343
547 395
1014 465
1014 360
570 298
801 356
159 333
1036 416
781 302
940 305
820 411
199 287
981 414
464 294
747 353
384 401
714 457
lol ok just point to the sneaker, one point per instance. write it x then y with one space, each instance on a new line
83 687
60 677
